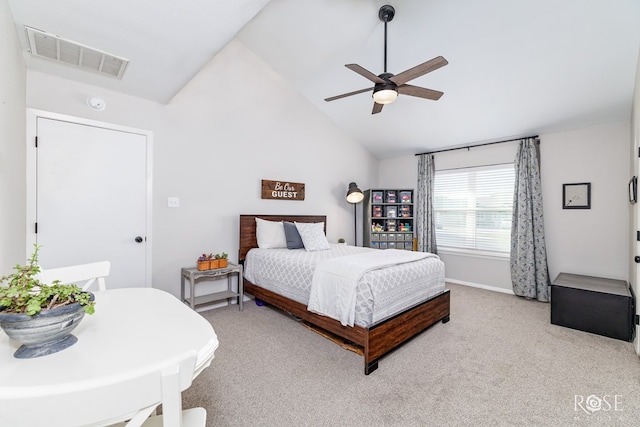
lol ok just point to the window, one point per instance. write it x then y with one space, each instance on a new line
473 206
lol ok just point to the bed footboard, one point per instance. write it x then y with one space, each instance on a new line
375 341
385 336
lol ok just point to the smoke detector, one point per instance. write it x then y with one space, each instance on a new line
50 46
96 103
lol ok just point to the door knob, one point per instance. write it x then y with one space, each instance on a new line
139 239
637 259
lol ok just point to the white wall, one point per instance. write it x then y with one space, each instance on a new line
234 124
213 154
593 242
12 148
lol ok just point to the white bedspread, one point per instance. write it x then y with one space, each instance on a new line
335 280
380 293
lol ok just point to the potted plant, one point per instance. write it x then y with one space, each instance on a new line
215 262
204 262
222 260
40 316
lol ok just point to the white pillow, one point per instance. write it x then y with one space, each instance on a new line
270 234
312 234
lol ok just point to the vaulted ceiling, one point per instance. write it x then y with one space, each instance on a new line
516 68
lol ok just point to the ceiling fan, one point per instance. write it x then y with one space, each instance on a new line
388 86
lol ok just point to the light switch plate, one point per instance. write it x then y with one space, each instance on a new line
173 202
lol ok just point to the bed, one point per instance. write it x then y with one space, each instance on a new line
374 335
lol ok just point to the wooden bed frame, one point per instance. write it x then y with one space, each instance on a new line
376 340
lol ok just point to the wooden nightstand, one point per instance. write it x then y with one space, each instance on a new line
193 274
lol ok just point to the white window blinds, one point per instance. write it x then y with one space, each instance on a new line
473 206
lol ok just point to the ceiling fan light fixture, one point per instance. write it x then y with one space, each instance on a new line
387 85
385 96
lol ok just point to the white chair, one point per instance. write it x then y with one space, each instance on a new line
131 396
88 273
175 378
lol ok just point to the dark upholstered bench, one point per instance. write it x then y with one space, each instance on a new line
593 304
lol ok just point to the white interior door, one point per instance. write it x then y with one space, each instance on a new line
91 198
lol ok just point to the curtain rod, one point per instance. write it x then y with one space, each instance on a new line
477 145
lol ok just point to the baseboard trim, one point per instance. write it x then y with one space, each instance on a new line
481 286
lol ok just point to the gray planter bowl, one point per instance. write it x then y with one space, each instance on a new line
45 333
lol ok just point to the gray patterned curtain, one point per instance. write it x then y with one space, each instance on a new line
529 273
425 220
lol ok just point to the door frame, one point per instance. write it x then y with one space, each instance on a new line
634 224
32 128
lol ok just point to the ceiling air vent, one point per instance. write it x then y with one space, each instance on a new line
45 45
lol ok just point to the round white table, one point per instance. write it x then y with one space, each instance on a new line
131 328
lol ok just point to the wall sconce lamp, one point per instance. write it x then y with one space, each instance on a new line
354 196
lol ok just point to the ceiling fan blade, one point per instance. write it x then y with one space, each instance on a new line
376 108
420 92
344 95
364 73
419 70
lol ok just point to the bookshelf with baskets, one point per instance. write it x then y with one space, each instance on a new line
388 219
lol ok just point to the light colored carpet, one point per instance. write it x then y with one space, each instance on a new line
498 362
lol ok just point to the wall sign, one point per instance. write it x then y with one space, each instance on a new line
282 190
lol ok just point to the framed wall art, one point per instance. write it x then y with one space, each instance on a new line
576 196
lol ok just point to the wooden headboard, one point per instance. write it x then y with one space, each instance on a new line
248 228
